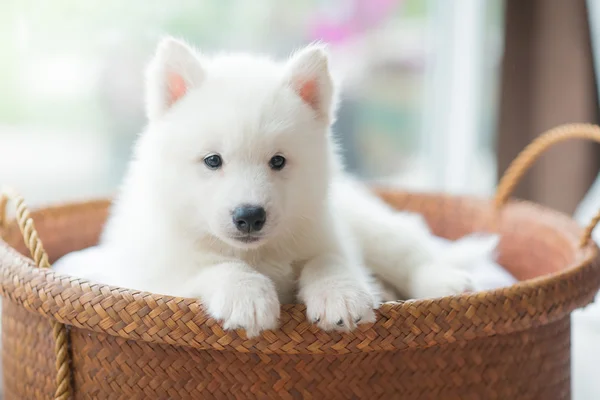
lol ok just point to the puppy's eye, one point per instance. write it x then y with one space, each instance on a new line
277 163
213 161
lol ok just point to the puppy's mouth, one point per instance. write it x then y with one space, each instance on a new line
248 239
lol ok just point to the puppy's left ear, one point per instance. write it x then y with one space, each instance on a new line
308 74
173 72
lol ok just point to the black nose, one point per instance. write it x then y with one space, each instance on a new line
249 218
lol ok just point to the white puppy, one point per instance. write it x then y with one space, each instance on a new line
236 196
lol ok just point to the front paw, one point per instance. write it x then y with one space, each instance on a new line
441 280
338 304
251 304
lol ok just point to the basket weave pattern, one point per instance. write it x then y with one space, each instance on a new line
109 367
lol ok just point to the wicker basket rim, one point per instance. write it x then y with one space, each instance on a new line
136 315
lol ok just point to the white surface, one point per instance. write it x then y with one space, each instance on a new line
585 347
585 328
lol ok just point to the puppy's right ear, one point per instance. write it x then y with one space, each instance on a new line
308 75
174 71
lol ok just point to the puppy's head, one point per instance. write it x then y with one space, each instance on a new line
239 145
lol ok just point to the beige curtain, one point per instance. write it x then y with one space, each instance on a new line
547 80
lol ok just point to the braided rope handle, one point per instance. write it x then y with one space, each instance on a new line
533 151
40 257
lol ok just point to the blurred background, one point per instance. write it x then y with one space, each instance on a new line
440 95
420 101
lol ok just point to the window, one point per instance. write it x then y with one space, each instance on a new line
419 103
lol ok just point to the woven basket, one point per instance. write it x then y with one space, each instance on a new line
65 337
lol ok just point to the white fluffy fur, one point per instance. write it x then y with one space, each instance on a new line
171 232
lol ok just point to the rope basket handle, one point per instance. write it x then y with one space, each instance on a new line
40 257
533 151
